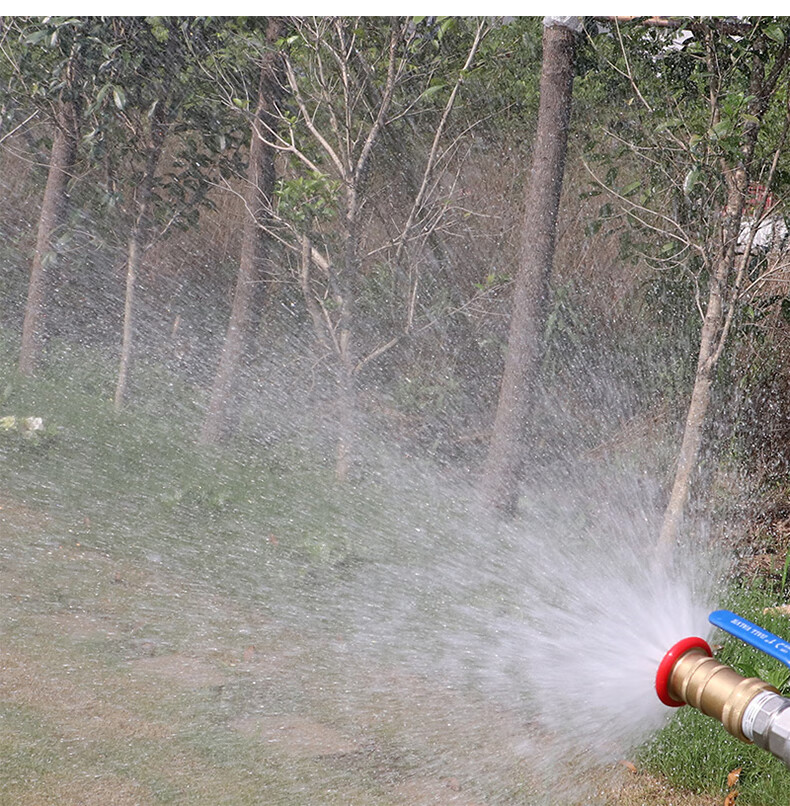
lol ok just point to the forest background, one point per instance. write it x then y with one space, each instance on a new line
304 235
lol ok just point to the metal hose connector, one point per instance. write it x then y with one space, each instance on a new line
749 708
766 722
715 689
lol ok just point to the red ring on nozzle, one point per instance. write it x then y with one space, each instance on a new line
668 664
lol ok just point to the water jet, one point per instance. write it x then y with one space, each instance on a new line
749 708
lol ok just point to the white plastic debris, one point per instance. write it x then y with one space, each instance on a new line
574 23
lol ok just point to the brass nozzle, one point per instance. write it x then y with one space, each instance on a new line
715 689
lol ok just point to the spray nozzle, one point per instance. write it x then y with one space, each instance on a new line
667 665
749 708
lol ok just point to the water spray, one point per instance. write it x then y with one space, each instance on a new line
749 708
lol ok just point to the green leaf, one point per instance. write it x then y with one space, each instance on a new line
775 32
119 96
102 93
720 129
692 179
447 25
35 37
431 91
631 187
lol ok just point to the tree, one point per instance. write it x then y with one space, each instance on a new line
727 268
349 80
152 141
710 127
53 215
171 103
50 56
528 319
258 199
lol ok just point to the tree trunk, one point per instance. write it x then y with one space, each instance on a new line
723 290
346 347
709 351
346 421
53 213
258 198
503 463
135 255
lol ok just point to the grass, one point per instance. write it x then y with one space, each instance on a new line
169 632
88 708
136 481
166 636
695 752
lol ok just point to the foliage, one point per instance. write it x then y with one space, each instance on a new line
637 93
176 96
308 200
48 59
692 104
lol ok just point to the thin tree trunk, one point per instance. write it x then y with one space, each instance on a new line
503 463
254 247
711 344
134 259
723 291
347 426
350 155
346 354
53 213
355 176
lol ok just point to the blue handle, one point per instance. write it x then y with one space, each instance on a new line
751 634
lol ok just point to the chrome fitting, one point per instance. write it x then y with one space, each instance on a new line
766 722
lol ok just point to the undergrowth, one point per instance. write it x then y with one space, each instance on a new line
262 517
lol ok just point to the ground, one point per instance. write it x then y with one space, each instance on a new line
124 683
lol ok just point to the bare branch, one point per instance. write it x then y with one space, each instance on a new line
19 126
378 352
281 144
432 154
386 99
674 231
628 74
309 300
306 117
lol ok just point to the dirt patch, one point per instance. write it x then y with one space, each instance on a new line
428 791
298 736
181 669
640 789
76 706
15 516
108 791
79 626
104 649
